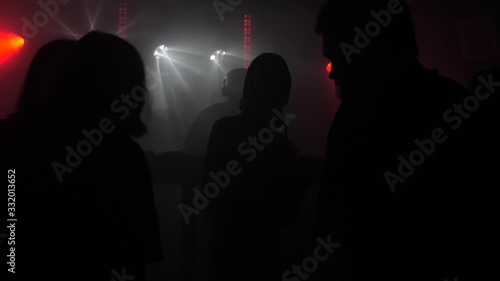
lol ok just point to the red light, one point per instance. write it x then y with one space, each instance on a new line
329 67
247 40
9 45
122 20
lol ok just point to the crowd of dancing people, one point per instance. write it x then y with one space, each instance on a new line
409 189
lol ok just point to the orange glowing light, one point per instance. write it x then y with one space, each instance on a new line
10 44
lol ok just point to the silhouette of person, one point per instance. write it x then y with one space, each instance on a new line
195 147
198 135
482 167
248 155
393 195
16 143
492 102
47 65
83 169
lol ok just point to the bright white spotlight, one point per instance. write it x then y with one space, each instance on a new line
217 56
161 52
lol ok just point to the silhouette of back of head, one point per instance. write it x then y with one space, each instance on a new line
46 67
107 81
234 83
267 85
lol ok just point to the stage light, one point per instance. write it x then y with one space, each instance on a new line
161 52
17 42
329 67
247 40
122 19
9 45
218 56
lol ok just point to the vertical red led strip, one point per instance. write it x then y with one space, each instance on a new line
247 41
122 19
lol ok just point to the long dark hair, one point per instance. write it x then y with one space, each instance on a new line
103 71
45 70
267 84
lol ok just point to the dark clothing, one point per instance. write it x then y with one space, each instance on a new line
417 232
6 126
100 218
196 142
247 215
483 164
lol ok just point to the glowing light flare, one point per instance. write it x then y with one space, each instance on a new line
9 45
68 30
329 67
218 56
161 52
93 19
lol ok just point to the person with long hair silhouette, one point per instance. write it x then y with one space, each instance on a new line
248 212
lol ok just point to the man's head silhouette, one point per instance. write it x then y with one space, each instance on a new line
361 37
233 84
